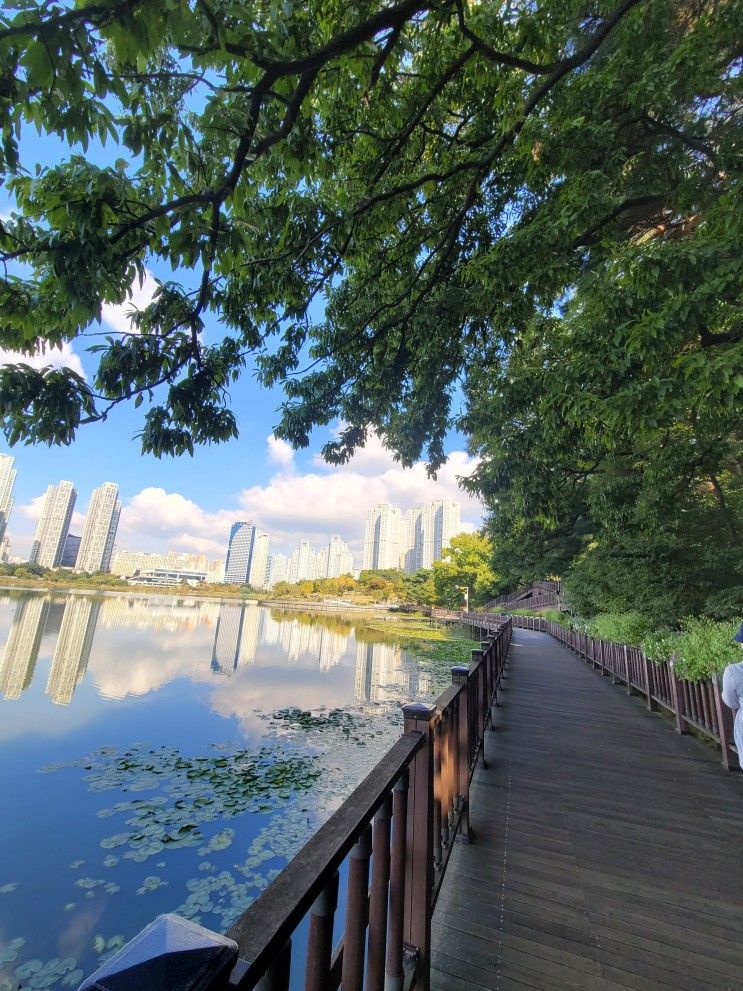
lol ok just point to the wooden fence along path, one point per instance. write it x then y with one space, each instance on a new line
606 853
535 828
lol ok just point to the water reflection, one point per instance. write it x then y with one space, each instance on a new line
139 644
22 649
72 652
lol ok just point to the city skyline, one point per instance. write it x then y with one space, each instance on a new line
291 495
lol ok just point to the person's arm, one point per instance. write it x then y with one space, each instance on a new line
729 693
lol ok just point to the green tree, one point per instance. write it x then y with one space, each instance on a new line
450 177
465 564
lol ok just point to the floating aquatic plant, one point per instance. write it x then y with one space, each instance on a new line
9 888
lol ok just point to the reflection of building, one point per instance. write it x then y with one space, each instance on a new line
54 524
332 648
236 637
387 673
7 478
99 532
73 648
171 613
22 648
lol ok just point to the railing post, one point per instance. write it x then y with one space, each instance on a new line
651 703
320 939
379 897
357 913
725 729
394 974
481 705
677 700
460 676
419 847
627 672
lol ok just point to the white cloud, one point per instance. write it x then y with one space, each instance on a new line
279 452
61 356
292 506
117 315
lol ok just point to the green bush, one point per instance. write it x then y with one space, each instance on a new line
702 647
726 604
621 627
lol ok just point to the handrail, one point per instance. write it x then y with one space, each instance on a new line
395 833
694 705
266 925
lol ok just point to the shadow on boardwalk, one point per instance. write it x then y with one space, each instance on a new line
607 852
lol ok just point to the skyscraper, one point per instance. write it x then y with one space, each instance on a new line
54 524
7 478
99 532
428 531
302 563
258 571
239 552
70 552
339 558
382 538
278 565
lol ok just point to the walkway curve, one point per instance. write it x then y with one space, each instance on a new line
607 850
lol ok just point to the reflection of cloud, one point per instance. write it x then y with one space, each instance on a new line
74 938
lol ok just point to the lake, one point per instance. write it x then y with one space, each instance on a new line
160 753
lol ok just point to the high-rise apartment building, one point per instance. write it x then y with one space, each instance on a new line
278 567
258 571
7 478
99 532
339 558
239 552
382 538
428 532
54 525
302 563
70 552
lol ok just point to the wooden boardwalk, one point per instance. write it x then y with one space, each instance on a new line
607 850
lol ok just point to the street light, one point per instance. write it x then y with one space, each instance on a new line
466 590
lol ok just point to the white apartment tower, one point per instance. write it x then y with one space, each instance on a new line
278 565
428 532
99 532
54 524
339 558
382 538
302 563
258 571
7 478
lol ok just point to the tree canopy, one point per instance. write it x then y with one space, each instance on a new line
385 207
465 573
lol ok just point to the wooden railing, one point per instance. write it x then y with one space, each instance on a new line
694 704
538 595
390 841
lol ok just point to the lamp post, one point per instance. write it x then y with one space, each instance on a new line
466 590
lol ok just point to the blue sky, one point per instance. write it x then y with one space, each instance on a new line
189 503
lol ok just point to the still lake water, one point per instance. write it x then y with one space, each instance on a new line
171 754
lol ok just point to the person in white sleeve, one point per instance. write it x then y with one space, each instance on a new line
732 695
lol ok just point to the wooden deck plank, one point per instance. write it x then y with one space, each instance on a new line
606 849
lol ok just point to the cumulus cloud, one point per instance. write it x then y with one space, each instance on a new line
294 505
59 356
279 452
118 315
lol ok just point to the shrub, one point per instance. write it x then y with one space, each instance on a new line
621 627
704 647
